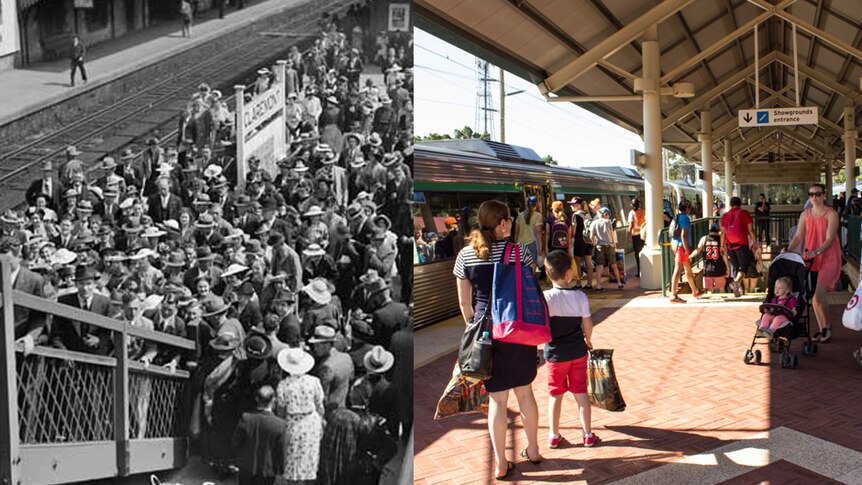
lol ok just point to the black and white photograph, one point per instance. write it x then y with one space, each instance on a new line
206 254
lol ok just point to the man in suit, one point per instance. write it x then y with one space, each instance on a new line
29 324
333 368
259 441
164 205
44 186
248 310
65 239
390 315
80 337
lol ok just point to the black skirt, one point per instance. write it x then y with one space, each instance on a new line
513 366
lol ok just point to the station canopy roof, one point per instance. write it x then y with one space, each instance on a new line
593 47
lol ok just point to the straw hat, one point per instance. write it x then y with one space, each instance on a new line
108 163
234 269
295 362
317 291
153 231
205 221
224 343
375 140
314 210
378 360
322 333
313 250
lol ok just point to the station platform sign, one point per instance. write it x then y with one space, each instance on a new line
804 115
775 173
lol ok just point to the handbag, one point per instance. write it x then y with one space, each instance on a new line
852 317
462 395
474 356
518 308
602 386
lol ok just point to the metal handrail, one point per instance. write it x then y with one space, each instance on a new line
11 447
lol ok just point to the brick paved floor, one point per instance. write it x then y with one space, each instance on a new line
681 373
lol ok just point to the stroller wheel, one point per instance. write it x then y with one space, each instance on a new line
757 357
814 348
794 361
748 356
772 346
806 349
785 361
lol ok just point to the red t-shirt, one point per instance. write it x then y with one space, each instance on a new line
735 224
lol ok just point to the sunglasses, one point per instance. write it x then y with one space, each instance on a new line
815 194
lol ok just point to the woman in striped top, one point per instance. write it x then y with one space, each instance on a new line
514 366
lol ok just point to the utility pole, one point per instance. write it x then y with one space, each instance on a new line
502 108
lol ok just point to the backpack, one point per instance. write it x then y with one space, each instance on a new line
587 237
674 229
559 234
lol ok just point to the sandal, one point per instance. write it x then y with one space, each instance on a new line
827 334
509 467
527 456
816 337
677 299
588 287
857 354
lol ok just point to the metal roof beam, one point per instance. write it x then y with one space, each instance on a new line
610 45
823 35
698 101
849 93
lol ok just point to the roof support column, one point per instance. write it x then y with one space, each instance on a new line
705 139
827 155
728 172
651 254
849 148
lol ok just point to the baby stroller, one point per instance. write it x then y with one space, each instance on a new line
793 266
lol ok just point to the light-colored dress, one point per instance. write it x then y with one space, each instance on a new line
828 264
300 403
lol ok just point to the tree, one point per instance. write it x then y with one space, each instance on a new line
467 133
432 137
549 160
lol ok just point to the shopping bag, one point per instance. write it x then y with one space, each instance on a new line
852 317
602 386
462 395
518 308
474 355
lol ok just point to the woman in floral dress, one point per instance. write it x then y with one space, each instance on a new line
300 403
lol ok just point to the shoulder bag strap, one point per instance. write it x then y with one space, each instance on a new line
519 304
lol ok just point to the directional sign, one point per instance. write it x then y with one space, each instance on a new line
805 115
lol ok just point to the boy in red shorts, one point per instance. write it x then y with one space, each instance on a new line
566 353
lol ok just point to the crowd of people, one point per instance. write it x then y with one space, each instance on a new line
295 291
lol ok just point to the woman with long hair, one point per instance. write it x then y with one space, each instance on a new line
514 366
816 232
582 246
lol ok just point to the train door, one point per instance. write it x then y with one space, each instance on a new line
543 193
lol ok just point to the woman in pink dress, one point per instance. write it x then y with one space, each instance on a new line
819 228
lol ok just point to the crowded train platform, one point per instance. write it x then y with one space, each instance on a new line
289 275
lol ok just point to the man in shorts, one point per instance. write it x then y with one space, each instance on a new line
737 235
680 230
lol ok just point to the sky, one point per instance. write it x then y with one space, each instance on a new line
445 90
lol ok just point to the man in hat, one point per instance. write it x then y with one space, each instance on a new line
74 335
215 313
29 325
10 222
259 441
285 260
76 58
204 267
389 316
354 69
164 205
384 122
44 186
333 368
247 307
135 173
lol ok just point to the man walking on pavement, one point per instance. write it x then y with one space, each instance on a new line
76 56
737 235
259 442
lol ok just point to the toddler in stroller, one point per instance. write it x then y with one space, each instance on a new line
781 308
784 311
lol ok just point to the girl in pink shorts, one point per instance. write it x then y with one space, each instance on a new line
775 318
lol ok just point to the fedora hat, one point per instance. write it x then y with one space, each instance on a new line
314 210
85 272
389 159
224 343
214 306
376 286
108 163
153 231
375 140
204 253
176 259
295 362
258 346
316 290
300 166
355 136
132 226
202 199
253 246
245 289
85 205
322 333
128 155
378 360
242 201
234 269
358 162
10 217
72 151
313 250
369 276
205 221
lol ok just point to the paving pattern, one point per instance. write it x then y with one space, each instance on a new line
681 373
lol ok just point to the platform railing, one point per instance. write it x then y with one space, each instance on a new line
853 246
68 416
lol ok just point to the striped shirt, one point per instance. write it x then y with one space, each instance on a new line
481 273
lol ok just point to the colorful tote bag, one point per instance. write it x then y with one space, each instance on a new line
518 308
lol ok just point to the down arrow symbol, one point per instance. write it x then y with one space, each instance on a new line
747 117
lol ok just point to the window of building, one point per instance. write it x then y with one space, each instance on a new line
98 17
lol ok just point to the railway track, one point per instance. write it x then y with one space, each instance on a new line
159 104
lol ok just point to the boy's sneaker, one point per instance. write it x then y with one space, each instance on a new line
591 440
554 440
